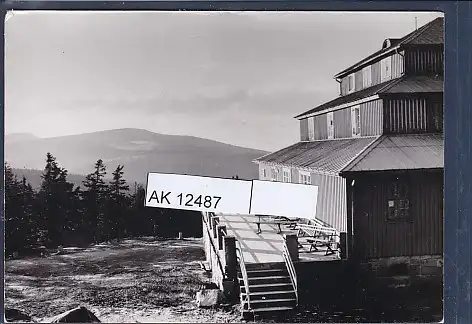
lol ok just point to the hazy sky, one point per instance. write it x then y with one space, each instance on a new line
239 78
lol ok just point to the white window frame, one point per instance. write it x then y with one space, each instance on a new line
274 174
311 128
304 177
286 175
351 83
264 174
356 121
330 124
367 76
386 69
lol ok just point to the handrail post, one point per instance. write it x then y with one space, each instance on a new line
214 222
292 245
220 230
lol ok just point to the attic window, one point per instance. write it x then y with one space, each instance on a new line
274 174
387 43
350 83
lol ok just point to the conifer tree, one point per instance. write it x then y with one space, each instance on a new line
118 204
95 195
54 200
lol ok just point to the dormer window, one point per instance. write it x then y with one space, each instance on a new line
356 121
350 83
330 124
386 69
311 128
366 77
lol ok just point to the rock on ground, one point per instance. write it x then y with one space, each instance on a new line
76 315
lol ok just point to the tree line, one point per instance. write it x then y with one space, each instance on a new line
101 210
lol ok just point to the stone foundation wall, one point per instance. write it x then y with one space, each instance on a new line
405 270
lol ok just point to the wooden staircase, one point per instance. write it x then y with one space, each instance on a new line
270 290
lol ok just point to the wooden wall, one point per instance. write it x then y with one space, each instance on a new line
397 70
331 205
425 61
419 115
372 118
371 122
377 237
304 129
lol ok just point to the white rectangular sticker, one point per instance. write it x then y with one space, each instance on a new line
179 191
283 199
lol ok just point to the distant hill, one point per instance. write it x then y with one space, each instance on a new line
140 151
19 137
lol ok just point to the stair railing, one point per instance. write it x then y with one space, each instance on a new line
291 268
214 248
242 266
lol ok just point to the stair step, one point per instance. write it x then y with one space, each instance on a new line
265 266
268 287
261 295
265 273
267 309
264 303
266 280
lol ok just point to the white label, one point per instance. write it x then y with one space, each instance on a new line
179 191
283 199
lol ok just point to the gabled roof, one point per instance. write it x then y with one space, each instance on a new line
329 156
405 84
401 152
430 34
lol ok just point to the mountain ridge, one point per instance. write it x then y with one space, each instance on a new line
139 150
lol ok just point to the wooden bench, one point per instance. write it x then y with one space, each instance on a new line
319 236
330 244
275 220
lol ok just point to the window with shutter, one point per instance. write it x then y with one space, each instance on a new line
356 121
330 122
311 128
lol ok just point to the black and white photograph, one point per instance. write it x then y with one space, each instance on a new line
223 166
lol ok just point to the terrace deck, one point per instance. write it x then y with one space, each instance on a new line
267 246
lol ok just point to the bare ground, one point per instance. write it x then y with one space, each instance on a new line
142 280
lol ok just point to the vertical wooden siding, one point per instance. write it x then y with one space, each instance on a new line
331 204
344 86
304 129
342 123
375 237
397 70
372 118
358 80
412 115
398 65
421 62
375 69
321 127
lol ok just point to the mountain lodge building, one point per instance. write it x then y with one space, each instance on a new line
376 152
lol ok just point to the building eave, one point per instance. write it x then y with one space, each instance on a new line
346 105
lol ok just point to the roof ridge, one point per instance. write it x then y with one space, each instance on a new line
418 32
363 153
402 40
